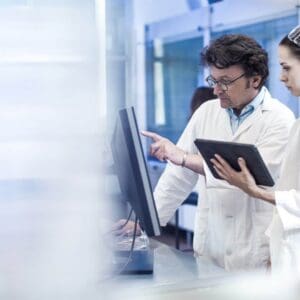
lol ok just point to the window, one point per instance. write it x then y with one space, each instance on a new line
172 75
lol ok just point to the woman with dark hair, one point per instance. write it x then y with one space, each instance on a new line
201 95
284 230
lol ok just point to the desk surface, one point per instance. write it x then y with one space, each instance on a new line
173 271
179 276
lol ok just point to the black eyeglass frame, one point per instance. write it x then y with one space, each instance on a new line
212 82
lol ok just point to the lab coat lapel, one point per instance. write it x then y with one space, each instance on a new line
250 121
255 116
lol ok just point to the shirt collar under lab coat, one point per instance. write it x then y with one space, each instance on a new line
236 120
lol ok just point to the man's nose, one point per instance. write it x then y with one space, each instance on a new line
217 90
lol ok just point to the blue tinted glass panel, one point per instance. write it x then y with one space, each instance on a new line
177 67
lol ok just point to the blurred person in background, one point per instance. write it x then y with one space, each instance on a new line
201 95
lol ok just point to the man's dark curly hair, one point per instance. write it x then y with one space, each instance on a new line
237 49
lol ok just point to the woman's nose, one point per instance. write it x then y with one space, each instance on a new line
283 77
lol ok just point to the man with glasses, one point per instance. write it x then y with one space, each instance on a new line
229 225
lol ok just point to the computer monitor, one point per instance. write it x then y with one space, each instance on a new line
131 168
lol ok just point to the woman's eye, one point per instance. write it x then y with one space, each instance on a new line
286 68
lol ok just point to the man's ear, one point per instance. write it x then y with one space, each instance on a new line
256 80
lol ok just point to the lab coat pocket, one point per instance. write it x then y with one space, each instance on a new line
261 249
201 227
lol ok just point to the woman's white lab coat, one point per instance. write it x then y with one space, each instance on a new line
229 225
285 229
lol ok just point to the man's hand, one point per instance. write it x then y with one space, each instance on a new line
163 149
125 230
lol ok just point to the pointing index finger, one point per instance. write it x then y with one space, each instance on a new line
154 136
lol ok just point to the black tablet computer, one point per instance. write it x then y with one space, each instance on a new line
231 151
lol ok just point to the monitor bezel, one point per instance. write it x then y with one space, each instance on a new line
144 207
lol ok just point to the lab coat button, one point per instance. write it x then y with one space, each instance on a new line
228 252
228 217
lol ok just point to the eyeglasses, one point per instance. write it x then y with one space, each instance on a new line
223 84
294 36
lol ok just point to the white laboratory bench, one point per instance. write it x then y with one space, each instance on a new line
174 271
180 276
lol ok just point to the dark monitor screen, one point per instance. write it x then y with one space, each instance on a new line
132 171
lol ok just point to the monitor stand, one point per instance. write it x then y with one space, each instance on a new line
141 262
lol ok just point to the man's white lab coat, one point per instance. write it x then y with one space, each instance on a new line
285 228
229 225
